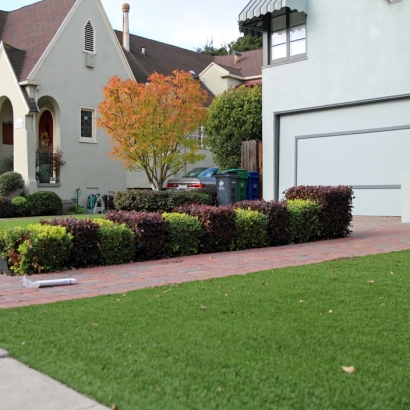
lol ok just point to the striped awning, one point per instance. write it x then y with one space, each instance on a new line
250 19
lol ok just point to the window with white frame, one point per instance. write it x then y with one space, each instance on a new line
89 43
87 127
200 136
288 36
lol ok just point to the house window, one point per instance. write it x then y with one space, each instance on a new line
200 136
89 37
288 40
87 125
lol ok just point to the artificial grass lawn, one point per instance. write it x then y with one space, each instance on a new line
24 222
267 340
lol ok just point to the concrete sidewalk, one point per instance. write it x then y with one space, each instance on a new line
23 388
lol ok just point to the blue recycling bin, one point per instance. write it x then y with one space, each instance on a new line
253 187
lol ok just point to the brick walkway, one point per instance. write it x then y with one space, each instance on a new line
371 235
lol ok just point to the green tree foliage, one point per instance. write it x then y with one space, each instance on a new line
242 43
245 43
233 117
210 49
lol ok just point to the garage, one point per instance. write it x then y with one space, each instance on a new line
364 145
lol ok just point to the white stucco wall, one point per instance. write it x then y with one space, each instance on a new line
65 78
22 122
356 50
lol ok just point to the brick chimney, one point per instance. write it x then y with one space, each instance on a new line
126 27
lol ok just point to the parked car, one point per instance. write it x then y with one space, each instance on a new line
197 178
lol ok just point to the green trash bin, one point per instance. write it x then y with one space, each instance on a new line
242 182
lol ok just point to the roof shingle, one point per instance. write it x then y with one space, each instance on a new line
32 28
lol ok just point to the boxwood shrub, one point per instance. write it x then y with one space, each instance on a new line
45 203
149 229
336 204
184 234
163 201
21 206
218 223
304 223
278 216
116 243
39 248
86 247
250 229
10 182
6 207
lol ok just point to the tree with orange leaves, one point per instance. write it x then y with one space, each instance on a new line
149 124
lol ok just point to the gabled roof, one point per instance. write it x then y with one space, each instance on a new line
249 64
161 57
30 30
164 58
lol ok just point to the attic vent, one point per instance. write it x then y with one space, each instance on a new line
89 37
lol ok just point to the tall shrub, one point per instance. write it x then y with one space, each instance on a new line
336 204
250 229
304 223
40 248
184 234
218 223
86 248
278 216
117 243
149 229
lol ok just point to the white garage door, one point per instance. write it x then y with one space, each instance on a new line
369 153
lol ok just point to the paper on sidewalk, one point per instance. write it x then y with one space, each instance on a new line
27 283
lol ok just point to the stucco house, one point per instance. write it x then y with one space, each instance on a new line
336 101
55 57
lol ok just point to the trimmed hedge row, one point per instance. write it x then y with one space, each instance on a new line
335 203
165 201
149 229
218 223
129 235
278 216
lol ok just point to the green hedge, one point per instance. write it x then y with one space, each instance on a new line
39 248
142 200
251 229
45 203
336 204
184 234
21 206
116 243
304 222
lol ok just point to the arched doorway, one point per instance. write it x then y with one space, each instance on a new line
45 130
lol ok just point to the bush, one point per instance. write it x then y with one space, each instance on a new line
10 182
218 223
6 207
86 247
278 215
142 200
184 234
304 223
37 249
21 206
250 229
159 201
45 203
10 240
336 205
179 198
117 244
149 230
